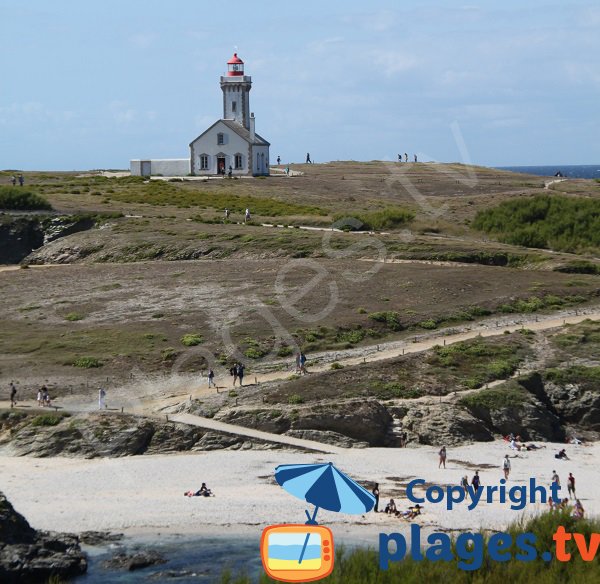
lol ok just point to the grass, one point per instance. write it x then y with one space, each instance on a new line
560 223
390 318
387 218
74 316
191 340
48 419
495 399
87 362
19 199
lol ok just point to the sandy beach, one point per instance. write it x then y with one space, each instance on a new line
144 494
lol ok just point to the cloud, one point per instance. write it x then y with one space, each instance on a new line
392 62
121 112
143 40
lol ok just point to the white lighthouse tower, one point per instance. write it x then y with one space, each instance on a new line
236 92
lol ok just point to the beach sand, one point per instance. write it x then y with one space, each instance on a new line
144 494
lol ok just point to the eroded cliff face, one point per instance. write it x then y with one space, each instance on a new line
20 235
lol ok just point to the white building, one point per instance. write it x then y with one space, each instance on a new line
230 145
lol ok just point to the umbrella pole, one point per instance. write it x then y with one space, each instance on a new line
311 521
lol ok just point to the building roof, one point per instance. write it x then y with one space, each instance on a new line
235 60
239 130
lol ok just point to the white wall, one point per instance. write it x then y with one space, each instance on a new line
207 144
165 167
260 160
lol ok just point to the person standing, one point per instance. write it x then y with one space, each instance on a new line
303 363
278 160
13 395
101 399
21 180
405 157
415 158
226 214
464 483
298 369
247 216
13 180
555 479
399 157
40 395
476 481
571 485
375 492
442 454
234 373
211 378
230 171
506 466
240 372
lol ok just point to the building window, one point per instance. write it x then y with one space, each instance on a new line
203 161
234 106
238 162
220 139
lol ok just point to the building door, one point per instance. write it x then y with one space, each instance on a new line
146 168
221 165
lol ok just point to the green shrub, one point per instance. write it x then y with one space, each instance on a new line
191 339
74 316
87 362
295 399
18 199
337 365
495 399
382 219
255 352
562 223
285 351
390 318
428 324
48 419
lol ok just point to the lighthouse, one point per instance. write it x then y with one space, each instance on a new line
236 92
230 147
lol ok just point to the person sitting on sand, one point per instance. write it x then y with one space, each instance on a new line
411 513
551 504
574 440
561 455
204 491
578 510
390 508
564 504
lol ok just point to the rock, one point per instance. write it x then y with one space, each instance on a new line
439 424
99 538
28 556
327 437
575 404
134 561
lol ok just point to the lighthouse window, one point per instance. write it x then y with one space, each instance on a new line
220 139
203 161
234 106
238 161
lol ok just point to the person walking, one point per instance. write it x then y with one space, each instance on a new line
302 363
230 171
308 160
21 180
234 373
442 454
13 395
13 180
476 481
506 466
405 157
211 378
375 492
101 399
40 396
555 478
399 157
571 485
464 483
298 369
247 216
240 372
226 214
415 158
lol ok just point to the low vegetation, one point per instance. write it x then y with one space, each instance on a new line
561 223
191 340
388 218
19 199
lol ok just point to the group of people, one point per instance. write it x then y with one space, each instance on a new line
237 372
246 215
14 179
43 397
301 363
406 157
391 509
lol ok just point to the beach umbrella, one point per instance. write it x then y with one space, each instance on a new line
325 487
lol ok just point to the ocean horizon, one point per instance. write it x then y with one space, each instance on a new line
568 170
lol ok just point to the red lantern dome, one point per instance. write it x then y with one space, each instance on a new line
235 66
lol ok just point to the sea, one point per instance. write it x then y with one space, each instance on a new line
568 170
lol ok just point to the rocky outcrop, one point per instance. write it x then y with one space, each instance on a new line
327 437
134 561
575 404
364 421
444 423
28 556
110 435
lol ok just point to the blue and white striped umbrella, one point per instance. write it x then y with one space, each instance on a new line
325 487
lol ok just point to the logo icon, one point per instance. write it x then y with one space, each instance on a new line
305 553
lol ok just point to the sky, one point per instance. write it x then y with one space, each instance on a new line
92 84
